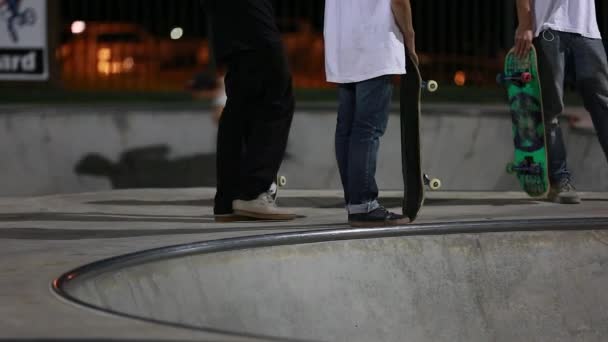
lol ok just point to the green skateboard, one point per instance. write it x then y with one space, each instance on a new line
530 165
413 178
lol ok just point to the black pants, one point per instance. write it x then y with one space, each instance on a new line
254 126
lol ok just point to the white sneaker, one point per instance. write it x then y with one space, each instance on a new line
264 207
274 191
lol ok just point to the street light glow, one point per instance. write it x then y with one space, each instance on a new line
177 33
78 27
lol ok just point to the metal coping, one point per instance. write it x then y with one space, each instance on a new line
59 285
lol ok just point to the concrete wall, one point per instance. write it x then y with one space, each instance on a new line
61 149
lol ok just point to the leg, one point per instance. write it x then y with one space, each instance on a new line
592 82
551 65
373 98
269 121
346 113
230 145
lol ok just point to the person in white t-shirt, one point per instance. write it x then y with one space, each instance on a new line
365 45
560 29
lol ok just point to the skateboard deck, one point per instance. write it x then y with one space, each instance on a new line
530 164
413 178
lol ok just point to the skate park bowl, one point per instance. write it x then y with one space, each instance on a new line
541 280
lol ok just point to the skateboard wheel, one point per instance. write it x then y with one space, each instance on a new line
510 168
432 86
435 184
282 181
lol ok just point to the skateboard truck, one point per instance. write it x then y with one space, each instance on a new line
432 183
527 166
519 78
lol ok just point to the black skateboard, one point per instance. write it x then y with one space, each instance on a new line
413 178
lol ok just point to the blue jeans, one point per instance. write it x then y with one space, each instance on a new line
591 71
362 119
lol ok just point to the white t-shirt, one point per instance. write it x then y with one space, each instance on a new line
362 41
574 16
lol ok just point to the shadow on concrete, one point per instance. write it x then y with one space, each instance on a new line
151 167
326 202
101 217
89 340
52 234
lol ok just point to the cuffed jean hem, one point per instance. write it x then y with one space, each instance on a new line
363 208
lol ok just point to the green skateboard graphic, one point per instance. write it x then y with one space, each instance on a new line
525 100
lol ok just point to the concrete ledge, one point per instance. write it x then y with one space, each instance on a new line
44 237
363 282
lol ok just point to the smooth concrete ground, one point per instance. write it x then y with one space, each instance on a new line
41 238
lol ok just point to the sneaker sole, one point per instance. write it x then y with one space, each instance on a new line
269 217
564 200
382 224
569 201
233 218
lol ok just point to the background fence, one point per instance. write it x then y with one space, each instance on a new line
160 44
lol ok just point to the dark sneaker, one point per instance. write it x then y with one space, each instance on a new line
377 218
564 193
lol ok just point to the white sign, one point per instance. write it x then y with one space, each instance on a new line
23 40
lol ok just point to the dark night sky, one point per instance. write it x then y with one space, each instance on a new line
160 15
472 27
